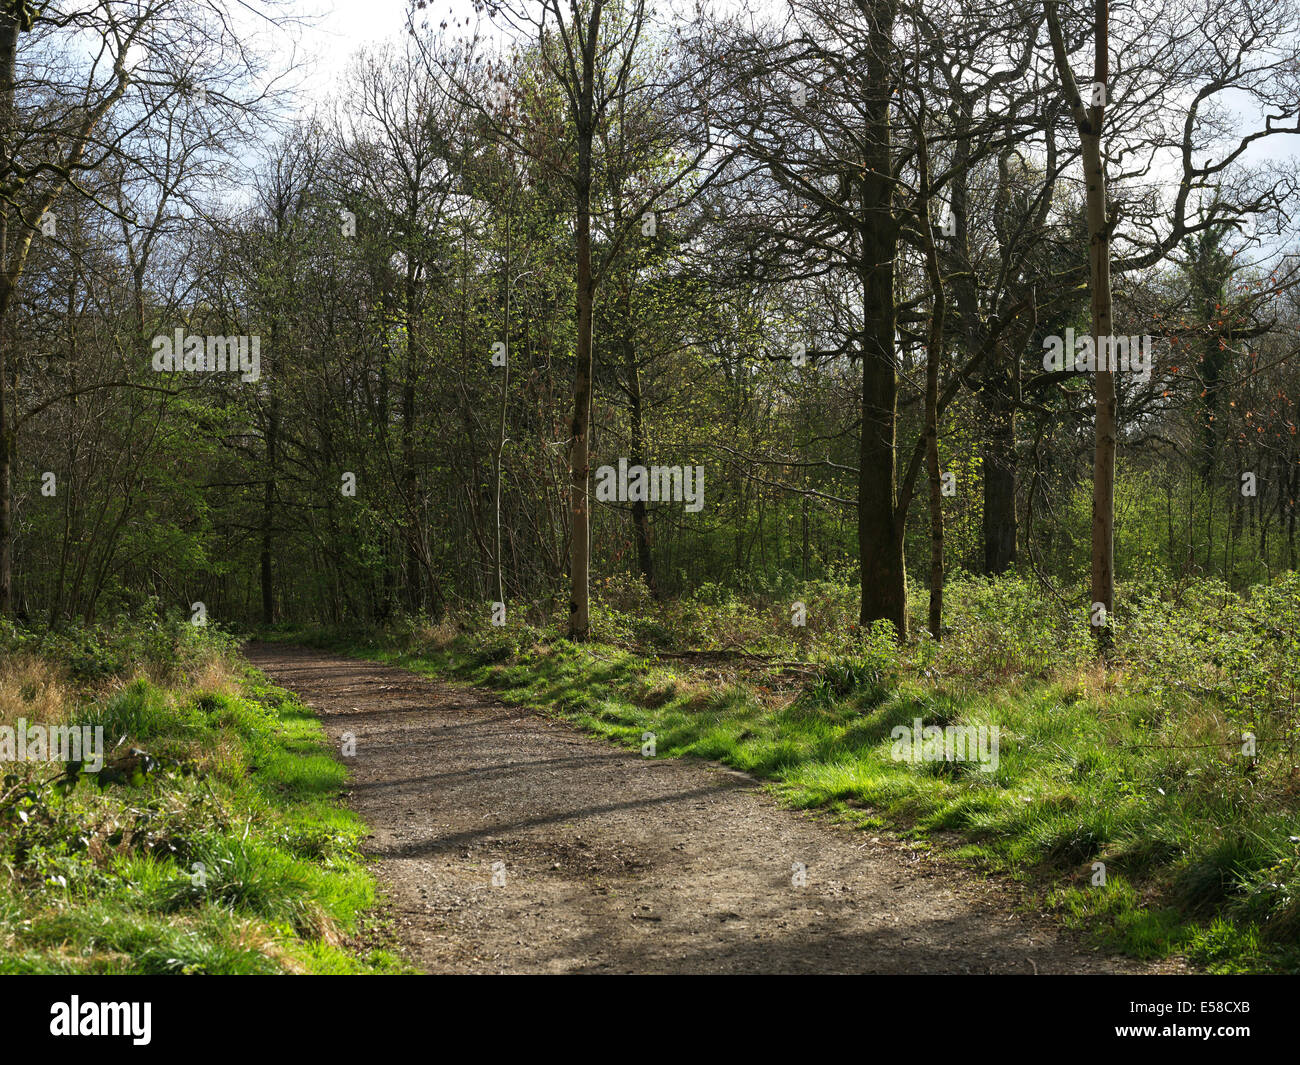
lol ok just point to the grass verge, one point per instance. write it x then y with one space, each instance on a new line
211 841
1122 801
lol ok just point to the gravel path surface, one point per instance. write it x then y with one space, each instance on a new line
509 842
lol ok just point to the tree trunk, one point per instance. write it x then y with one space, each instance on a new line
934 350
580 432
414 570
8 62
268 508
1103 470
637 453
880 525
579 501
1089 121
1000 467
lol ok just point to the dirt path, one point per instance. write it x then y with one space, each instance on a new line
615 863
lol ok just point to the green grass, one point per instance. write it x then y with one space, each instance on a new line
232 856
1114 768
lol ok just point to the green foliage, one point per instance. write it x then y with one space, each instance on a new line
225 853
1137 765
165 645
870 672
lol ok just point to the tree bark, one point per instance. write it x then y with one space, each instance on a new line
8 63
637 449
268 508
414 569
1089 121
934 350
880 523
1000 466
580 432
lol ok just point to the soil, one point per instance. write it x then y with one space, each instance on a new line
509 842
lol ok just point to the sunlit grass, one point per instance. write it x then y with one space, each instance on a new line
1121 790
232 856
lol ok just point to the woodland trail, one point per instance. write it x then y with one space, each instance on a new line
615 863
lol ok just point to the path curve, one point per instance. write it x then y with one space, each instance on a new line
615 863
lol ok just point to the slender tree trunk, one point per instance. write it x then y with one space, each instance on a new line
637 455
1103 471
1089 120
414 570
803 528
8 441
934 350
268 507
1000 461
1290 518
505 398
579 498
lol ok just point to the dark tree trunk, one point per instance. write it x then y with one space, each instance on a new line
580 430
414 570
268 509
880 525
8 442
637 455
1000 466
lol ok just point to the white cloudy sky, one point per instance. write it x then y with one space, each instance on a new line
338 28
334 29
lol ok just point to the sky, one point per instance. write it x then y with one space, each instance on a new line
336 29
333 30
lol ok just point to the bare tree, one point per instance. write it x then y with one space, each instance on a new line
79 110
593 52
